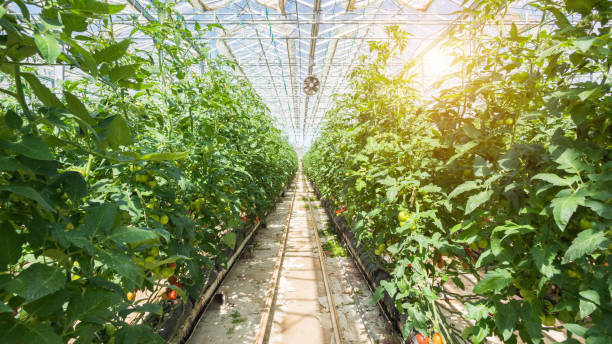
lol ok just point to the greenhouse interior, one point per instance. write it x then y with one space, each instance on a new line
293 171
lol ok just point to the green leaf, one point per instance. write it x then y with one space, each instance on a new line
48 305
32 147
10 245
167 156
564 205
137 334
392 192
583 43
230 239
4 308
589 302
585 243
576 329
93 302
543 258
555 179
123 72
506 317
122 264
482 167
495 281
30 193
48 47
113 52
132 235
12 120
569 161
77 108
530 315
71 183
93 6
42 92
467 186
117 131
477 200
476 311
43 334
36 281
101 219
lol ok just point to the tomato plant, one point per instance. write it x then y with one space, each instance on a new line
505 174
138 171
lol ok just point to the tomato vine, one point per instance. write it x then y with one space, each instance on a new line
506 177
125 182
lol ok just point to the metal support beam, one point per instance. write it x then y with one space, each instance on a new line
314 33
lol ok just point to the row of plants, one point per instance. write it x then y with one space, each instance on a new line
122 186
504 174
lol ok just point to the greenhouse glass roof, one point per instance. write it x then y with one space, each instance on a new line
276 44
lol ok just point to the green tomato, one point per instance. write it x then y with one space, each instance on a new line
153 251
163 220
483 243
403 216
109 329
585 223
548 320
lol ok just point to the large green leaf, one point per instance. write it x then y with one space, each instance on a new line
30 193
495 281
43 334
466 186
477 200
230 239
77 108
589 301
133 235
94 302
93 6
36 281
570 162
10 245
507 317
48 46
585 243
555 179
564 205
117 131
122 264
101 220
113 52
32 147
71 183
167 156
41 91
48 305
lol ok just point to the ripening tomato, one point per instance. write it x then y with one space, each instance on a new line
172 295
130 296
422 339
437 339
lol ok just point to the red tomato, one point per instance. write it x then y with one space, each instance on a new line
422 339
242 218
437 339
171 295
172 279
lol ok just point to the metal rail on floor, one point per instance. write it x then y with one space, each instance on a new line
201 306
328 291
265 323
